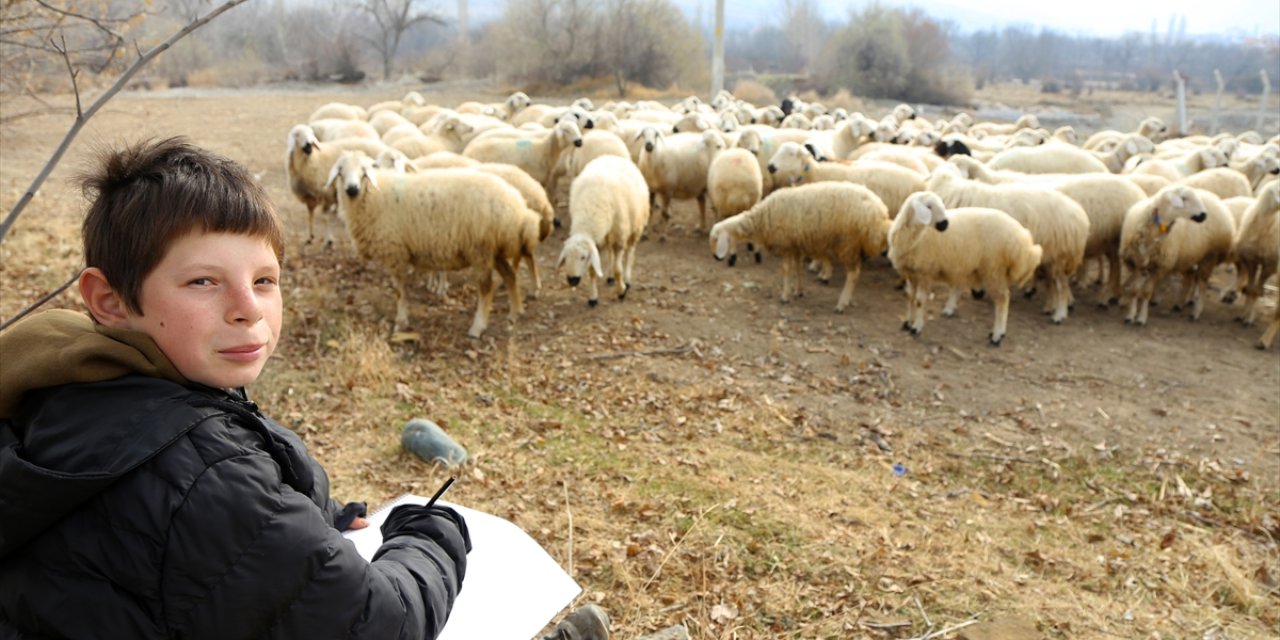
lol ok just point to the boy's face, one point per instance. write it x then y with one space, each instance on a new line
213 307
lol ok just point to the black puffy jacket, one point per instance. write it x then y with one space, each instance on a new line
136 506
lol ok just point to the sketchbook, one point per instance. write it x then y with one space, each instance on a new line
513 586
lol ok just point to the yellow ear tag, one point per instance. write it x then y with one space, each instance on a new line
1164 228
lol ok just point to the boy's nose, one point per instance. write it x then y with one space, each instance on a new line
243 305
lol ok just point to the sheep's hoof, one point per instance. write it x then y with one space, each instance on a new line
1057 321
1128 320
592 302
1103 306
995 342
825 281
1113 300
555 222
1029 294
906 326
977 293
609 282
759 257
1259 346
949 313
915 333
623 295
751 247
1229 297
1177 308
733 259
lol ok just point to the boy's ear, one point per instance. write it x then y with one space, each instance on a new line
105 304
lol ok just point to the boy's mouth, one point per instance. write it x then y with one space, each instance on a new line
247 352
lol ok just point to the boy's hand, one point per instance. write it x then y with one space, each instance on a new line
358 523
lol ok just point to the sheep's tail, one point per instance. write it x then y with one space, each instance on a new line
1026 267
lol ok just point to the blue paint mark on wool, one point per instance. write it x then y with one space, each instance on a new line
524 144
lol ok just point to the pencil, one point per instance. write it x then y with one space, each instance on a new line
443 488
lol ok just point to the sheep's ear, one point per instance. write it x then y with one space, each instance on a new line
595 261
560 262
722 245
923 213
1175 200
333 175
1131 147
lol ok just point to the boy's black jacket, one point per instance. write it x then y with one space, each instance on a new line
134 504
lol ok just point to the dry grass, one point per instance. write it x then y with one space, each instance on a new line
745 487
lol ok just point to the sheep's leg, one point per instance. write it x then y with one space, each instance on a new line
1254 291
850 281
593 298
1061 294
1201 284
953 297
630 263
921 297
616 261
1184 292
1144 306
484 300
786 277
910 305
1237 286
1112 258
402 301
533 273
1272 329
1000 298
513 286
825 271
702 211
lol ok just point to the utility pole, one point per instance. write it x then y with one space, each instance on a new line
717 53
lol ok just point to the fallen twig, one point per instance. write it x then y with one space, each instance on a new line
945 630
670 351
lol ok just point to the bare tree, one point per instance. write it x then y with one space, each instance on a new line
393 18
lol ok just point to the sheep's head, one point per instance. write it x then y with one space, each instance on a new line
926 208
721 238
713 140
926 138
969 168
1153 128
302 137
517 101
651 137
904 112
789 163
1027 121
579 116
1174 203
567 133
1212 158
750 140
394 160
350 172
579 253
728 123
885 132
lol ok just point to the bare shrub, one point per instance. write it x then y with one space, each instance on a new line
754 92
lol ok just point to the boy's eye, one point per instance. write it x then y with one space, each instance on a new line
269 281
199 282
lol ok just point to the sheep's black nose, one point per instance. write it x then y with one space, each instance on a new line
353 191
942 225
1200 217
773 168
578 142
306 148
675 129
1275 171
574 280
591 124
648 146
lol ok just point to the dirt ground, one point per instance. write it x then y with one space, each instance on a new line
702 371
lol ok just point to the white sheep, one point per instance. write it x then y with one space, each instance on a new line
837 221
1056 222
966 248
338 111
608 212
1151 128
384 121
1025 121
1178 231
1105 197
676 166
1054 157
439 220
735 185
307 165
330 129
1182 166
1256 249
1221 181
594 145
794 164
535 153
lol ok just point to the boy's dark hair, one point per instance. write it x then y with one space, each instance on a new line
147 195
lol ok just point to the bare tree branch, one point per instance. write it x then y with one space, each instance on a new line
83 117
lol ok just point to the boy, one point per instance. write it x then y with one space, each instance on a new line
142 495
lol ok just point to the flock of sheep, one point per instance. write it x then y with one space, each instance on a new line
977 207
